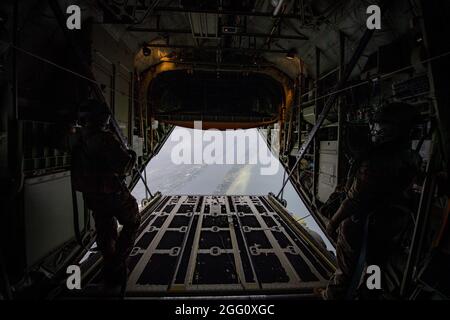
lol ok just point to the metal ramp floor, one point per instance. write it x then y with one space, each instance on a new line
221 245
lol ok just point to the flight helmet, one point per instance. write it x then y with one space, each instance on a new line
392 123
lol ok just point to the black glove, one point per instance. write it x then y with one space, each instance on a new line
133 155
332 230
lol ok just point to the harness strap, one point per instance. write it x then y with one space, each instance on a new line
360 265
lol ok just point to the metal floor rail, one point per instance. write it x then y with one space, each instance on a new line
199 245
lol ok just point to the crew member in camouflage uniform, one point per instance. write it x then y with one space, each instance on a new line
99 166
378 191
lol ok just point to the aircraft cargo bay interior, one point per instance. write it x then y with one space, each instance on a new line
202 150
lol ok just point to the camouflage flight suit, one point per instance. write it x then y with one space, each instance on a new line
100 165
377 189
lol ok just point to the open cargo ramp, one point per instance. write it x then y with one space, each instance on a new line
224 245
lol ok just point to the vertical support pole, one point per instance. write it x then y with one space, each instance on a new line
131 109
340 107
299 106
145 181
342 39
317 110
113 90
152 137
289 123
141 121
145 107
